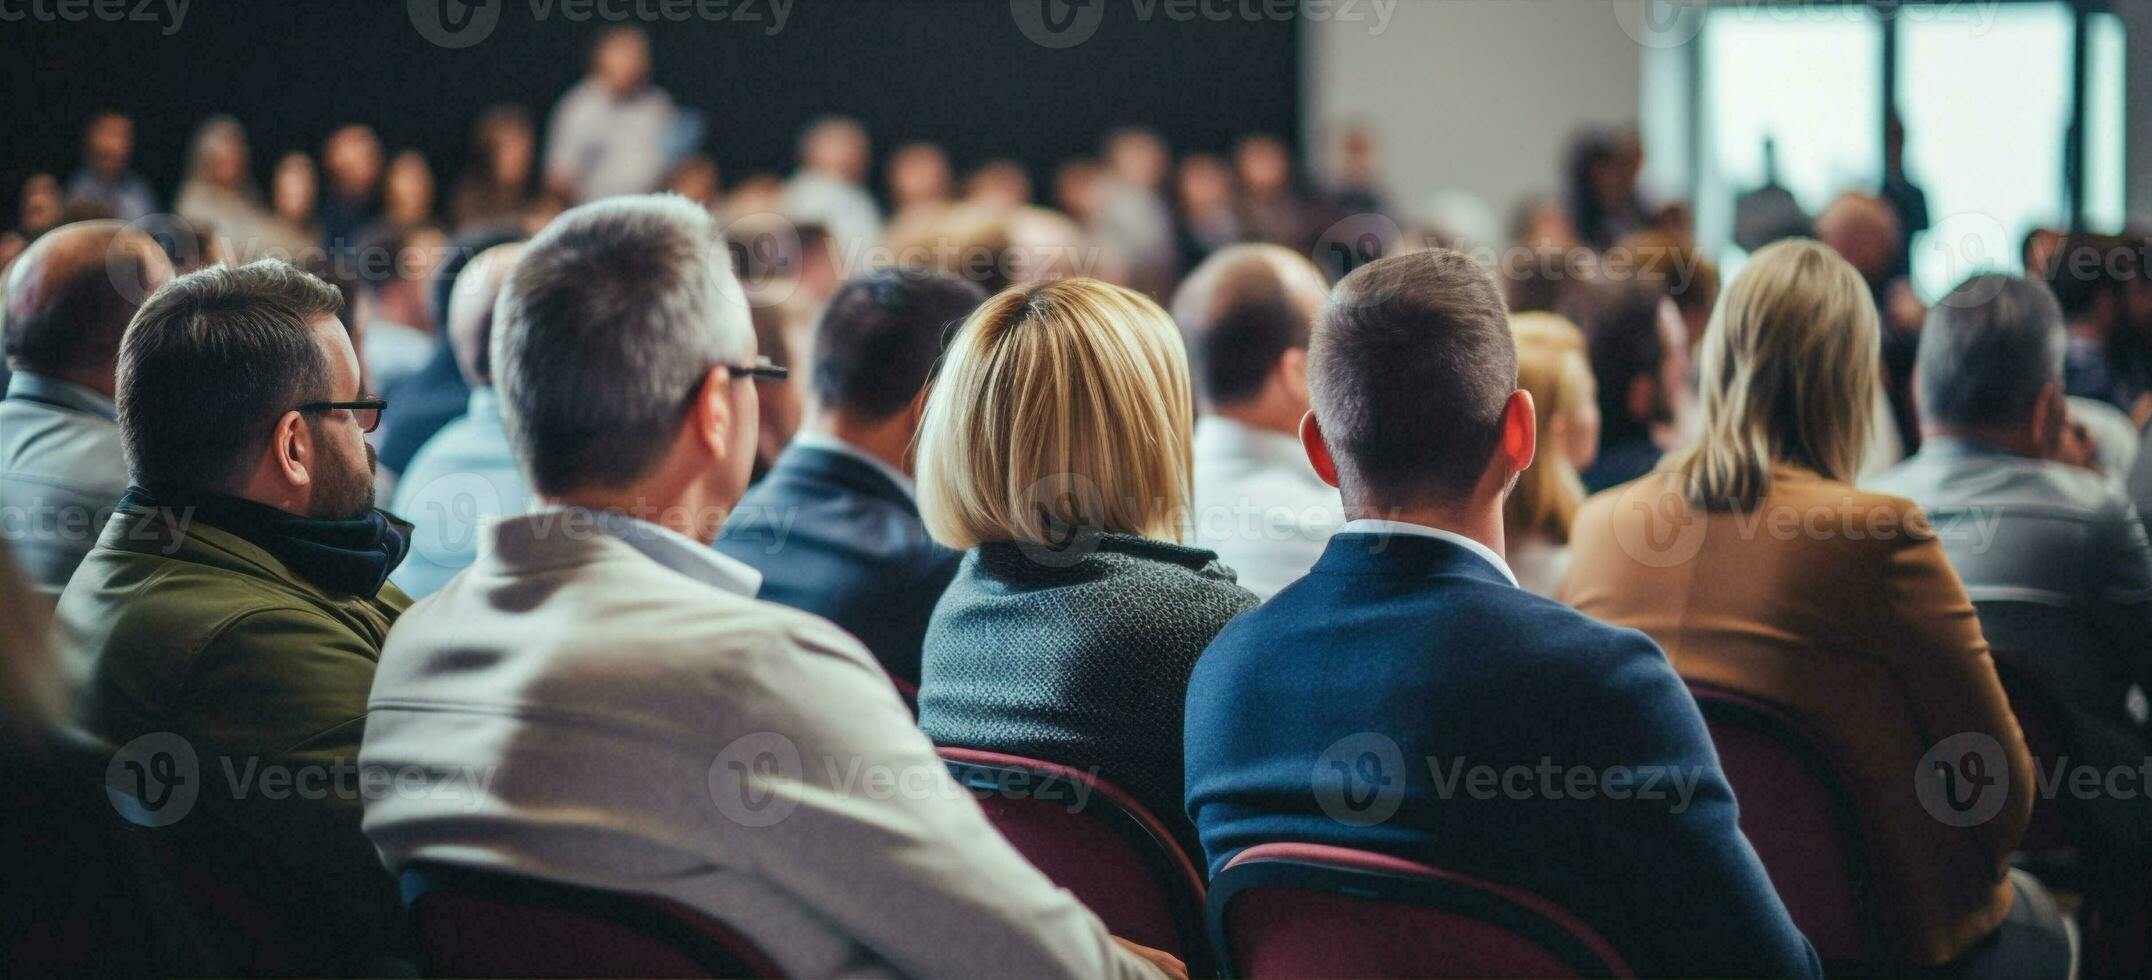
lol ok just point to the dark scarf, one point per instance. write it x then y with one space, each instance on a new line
351 556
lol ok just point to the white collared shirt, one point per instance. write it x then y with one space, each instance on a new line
1259 504
1372 525
670 548
832 444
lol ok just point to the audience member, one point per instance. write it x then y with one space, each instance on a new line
1204 195
777 399
611 133
41 208
105 177
1357 186
834 528
1673 261
68 301
1603 167
1758 567
1271 208
1907 202
1056 452
218 196
999 184
1245 314
2108 356
1076 190
407 191
294 194
1409 641
2062 571
600 651
464 477
1769 212
394 264
1640 363
420 404
351 162
1552 365
237 602
920 188
494 191
1864 231
829 189
1133 219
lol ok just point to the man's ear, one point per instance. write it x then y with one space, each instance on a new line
1520 433
710 417
291 450
2050 412
1311 439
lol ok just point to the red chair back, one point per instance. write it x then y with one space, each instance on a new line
1310 910
473 923
1796 812
1096 841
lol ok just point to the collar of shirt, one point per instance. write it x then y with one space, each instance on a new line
1370 525
30 387
484 404
1219 437
832 444
675 551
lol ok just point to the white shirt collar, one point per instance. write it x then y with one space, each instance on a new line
1219 437
672 549
832 444
1372 525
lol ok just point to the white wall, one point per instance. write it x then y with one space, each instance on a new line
2137 25
1479 95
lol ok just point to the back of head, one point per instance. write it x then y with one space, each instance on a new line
1061 406
1789 370
1409 368
71 295
1672 260
1621 319
2085 268
469 321
1242 310
211 360
1987 350
1551 364
879 338
610 320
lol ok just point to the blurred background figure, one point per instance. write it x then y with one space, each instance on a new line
351 163
999 184
696 178
407 191
1769 212
395 265
2110 352
1076 190
42 208
106 178
495 189
1906 200
218 196
1206 208
1133 218
1603 201
1271 207
294 192
422 403
830 187
1356 186
920 188
779 417
1543 223
1640 363
1553 365
613 133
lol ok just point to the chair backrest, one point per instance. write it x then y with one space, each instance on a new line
475 923
1089 837
2047 732
1311 910
1798 815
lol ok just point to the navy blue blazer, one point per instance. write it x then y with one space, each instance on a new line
833 536
1405 698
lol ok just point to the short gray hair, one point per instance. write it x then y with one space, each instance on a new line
1987 350
606 327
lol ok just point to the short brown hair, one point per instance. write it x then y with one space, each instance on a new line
209 361
1409 368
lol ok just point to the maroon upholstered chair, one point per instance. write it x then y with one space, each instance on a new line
1310 910
473 923
1096 841
1798 815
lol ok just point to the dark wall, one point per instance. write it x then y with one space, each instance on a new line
960 72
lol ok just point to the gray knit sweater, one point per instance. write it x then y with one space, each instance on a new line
1079 661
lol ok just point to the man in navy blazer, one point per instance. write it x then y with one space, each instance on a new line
1407 698
832 527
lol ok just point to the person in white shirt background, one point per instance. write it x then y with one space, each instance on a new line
614 132
600 700
829 189
1245 313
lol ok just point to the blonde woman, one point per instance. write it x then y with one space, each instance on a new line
1055 452
1757 566
1553 365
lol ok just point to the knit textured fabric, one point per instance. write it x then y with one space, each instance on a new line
1083 662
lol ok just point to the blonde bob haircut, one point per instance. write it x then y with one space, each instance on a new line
1061 406
1789 368
1552 364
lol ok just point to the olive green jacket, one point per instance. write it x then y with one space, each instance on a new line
177 627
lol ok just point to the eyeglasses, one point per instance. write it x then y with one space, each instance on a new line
366 411
762 370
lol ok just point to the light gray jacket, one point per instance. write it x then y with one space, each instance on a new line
61 472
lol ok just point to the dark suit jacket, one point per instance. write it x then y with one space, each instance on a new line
835 537
1405 698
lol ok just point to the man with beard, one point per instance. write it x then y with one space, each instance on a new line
228 622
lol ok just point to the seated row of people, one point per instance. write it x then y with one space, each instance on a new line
604 698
